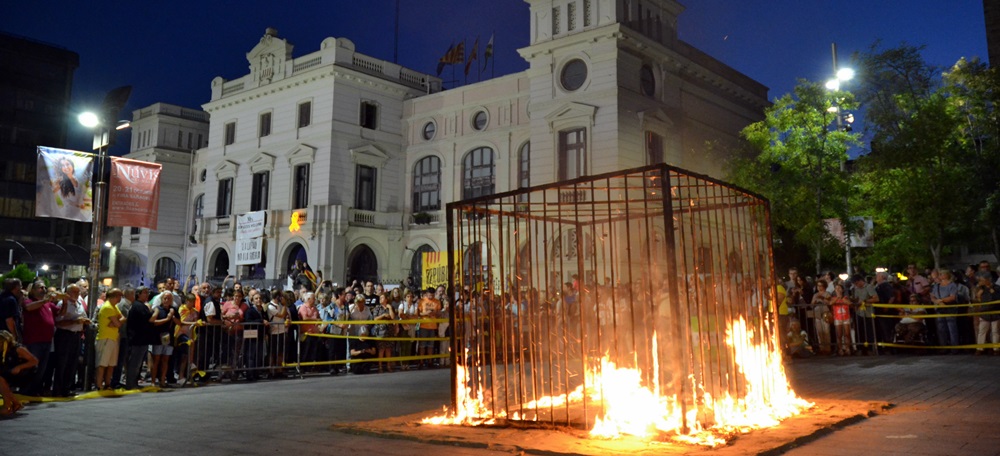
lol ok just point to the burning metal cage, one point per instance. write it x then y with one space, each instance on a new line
651 269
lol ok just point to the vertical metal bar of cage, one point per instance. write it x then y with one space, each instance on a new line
628 263
455 330
679 318
648 329
714 215
546 247
578 333
518 329
506 322
564 327
535 304
612 240
732 308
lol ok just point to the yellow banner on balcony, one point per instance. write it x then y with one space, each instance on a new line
435 268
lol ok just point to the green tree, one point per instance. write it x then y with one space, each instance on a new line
975 94
914 182
796 161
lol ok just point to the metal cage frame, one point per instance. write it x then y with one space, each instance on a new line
662 258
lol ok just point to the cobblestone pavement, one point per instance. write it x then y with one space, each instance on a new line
943 405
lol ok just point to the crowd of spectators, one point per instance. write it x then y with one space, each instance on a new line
204 332
834 316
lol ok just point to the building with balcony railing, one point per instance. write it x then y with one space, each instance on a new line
353 158
313 141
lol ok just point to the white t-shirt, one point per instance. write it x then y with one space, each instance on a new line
210 310
360 330
409 311
277 323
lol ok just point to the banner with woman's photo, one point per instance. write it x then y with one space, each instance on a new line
62 186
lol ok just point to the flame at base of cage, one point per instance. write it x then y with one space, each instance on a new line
631 407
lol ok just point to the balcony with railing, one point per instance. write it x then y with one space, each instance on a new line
374 219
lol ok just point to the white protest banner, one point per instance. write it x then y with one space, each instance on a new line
249 251
63 184
250 225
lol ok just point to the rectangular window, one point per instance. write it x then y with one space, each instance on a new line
555 21
364 199
654 148
586 13
260 191
301 187
369 115
190 136
572 153
199 141
230 133
180 137
224 204
134 231
305 114
571 16
264 129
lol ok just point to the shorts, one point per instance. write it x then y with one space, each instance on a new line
107 353
422 333
163 350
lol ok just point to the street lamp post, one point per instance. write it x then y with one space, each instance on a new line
104 126
841 75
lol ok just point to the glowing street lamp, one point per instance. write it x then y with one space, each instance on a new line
114 101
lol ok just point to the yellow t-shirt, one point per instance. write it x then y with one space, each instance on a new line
104 316
783 305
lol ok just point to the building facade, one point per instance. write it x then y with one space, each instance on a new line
353 158
168 135
36 81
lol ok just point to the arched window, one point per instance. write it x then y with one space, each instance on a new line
478 173
199 206
166 268
524 166
427 184
417 264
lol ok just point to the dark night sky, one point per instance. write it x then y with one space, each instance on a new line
170 51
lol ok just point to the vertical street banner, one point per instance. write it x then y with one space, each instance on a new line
134 193
435 268
250 225
249 246
249 251
63 184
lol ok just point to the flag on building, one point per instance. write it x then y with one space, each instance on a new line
488 52
458 54
444 60
63 184
134 193
472 56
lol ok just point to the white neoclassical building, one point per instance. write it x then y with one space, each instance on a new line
364 154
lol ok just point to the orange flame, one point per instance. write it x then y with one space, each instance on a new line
633 408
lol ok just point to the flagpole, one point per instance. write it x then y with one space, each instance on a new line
463 61
493 63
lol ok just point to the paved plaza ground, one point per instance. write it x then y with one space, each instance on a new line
941 405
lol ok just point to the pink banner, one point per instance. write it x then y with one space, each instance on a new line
134 193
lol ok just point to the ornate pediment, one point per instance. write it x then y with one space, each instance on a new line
226 169
369 155
571 113
301 154
267 59
655 116
261 162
